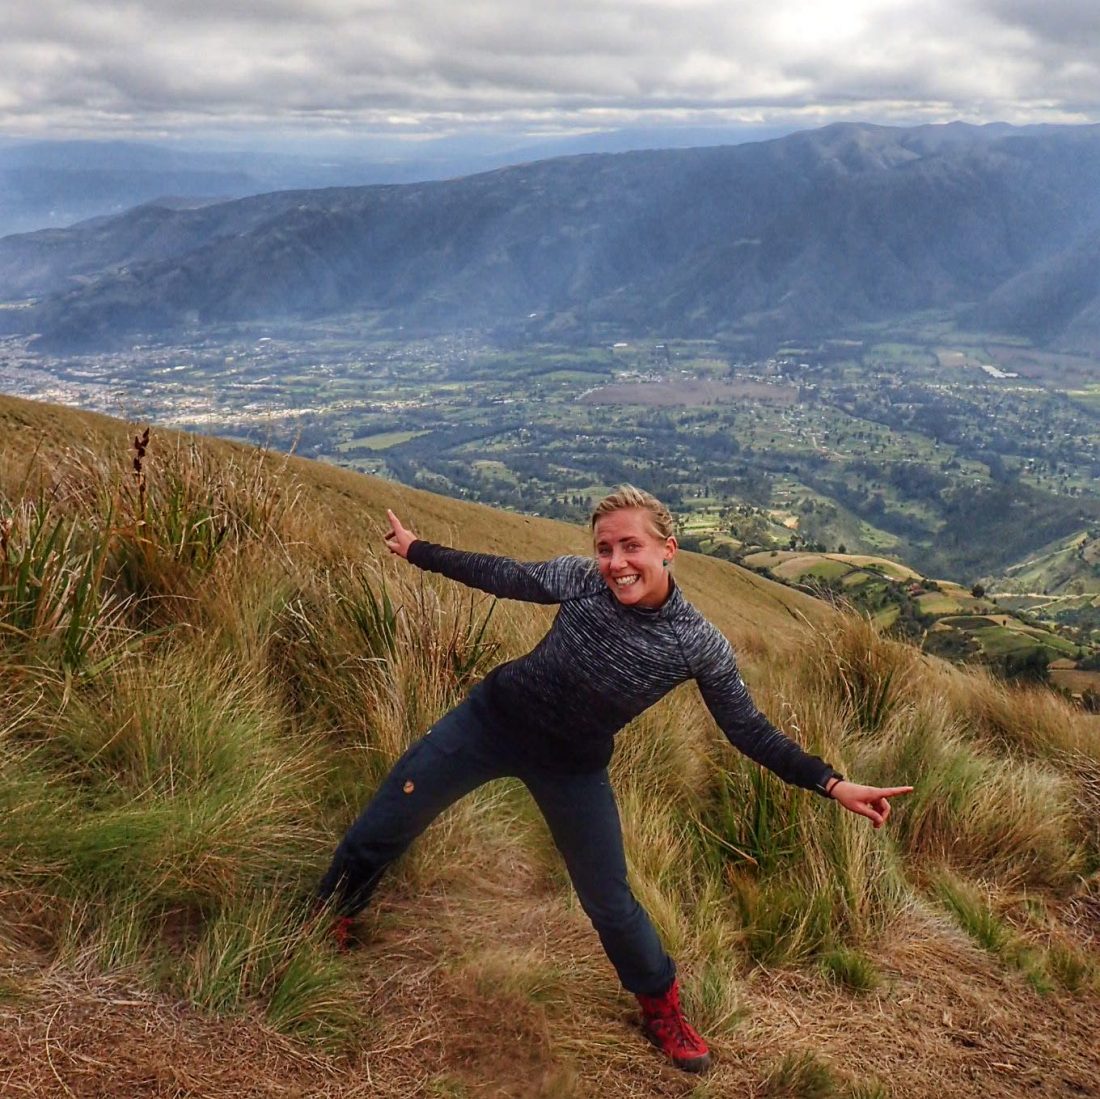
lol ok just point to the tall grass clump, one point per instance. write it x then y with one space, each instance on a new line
803 876
55 606
869 679
1008 817
374 658
254 949
973 910
801 1076
1031 720
159 812
804 879
977 801
851 968
182 512
198 792
807 879
807 1076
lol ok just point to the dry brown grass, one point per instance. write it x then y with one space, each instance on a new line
480 976
444 1015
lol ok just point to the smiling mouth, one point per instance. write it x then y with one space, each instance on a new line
625 581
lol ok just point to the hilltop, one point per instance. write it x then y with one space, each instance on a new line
205 664
805 235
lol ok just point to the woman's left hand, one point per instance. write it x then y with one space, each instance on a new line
868 801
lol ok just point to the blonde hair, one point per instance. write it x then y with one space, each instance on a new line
627 496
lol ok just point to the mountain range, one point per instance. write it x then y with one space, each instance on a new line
806 235
53 183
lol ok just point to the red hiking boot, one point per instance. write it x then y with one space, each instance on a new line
342 934
665 1026
338 930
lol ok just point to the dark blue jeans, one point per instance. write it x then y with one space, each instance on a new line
461 752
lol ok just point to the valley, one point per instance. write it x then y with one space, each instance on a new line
974 459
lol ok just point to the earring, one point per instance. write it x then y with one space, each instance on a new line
666 562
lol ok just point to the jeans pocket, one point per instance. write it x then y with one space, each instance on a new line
452 731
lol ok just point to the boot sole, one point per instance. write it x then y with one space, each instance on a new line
686 1064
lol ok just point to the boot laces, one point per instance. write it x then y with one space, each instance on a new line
666 1018
675 1029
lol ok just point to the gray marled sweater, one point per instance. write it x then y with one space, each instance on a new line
603 663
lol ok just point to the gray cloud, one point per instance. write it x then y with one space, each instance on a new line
1073 23
97 66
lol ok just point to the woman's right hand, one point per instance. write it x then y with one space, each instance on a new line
399 538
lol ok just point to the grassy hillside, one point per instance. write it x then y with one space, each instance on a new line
1068 567
943 616
205 665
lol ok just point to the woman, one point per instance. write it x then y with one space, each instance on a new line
623 637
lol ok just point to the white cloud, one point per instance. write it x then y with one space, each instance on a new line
68 66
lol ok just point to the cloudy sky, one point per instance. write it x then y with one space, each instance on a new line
420 68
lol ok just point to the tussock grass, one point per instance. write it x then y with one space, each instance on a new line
1011 818
54 605
974 913
205 669
850 968
807 1076
800 1076
525 975
166 779
1071 968
1036 722
255 949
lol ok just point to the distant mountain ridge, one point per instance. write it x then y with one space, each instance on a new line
804 234
53 183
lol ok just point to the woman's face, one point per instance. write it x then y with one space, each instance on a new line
631 557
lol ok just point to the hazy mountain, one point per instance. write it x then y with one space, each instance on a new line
48 184
800 235
56 183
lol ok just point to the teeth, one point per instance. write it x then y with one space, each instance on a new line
625 581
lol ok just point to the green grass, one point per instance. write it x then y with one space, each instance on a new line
969 622
1001 640
808 1076
170 797
936 603
850 968
381 440
1073 969
1041 967
801 1076
886 617
975 915
827 570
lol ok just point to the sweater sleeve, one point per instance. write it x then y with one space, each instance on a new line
746 728
550 581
